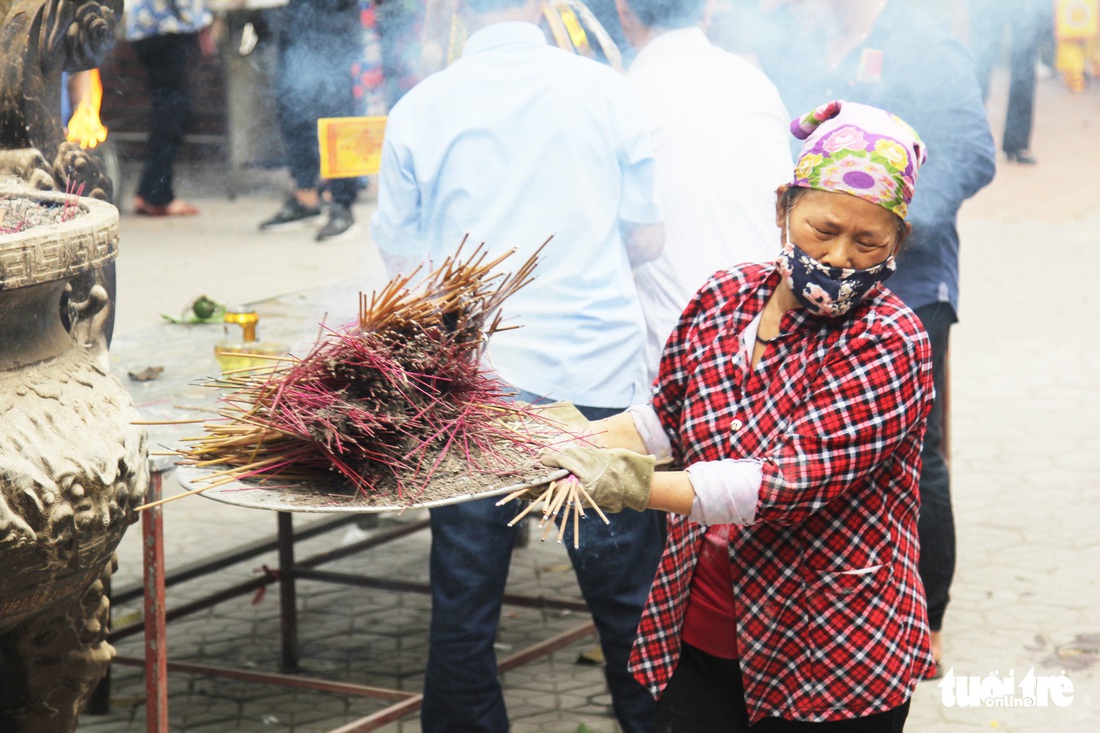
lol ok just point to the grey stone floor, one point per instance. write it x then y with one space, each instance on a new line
367 636
1025 456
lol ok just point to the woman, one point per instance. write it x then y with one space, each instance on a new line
794 395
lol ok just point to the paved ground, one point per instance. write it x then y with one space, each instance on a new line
1026 455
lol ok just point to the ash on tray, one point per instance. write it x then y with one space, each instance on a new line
18 214
453 478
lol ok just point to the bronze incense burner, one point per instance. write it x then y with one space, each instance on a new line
73 467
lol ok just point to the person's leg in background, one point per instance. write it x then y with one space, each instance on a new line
470 555
397 22
986 29
936 523
303 206
1025 26
299 131
615 566
345 46
165 60
314 79
1046 39
469 561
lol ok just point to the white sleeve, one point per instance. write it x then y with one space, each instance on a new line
395 224
651 431
726 491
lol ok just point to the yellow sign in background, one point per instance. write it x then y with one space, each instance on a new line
1076 19
350 146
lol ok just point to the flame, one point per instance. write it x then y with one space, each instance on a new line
85 126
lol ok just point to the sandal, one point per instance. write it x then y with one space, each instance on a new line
143 208
179 207
176 207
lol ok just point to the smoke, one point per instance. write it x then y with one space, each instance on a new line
403 52
669 13
490 6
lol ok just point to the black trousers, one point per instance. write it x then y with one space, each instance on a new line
936 523
706 695
165 60
988 21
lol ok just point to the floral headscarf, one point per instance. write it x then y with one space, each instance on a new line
861 150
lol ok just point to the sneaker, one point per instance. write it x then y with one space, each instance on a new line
293 215
1023 157
340 225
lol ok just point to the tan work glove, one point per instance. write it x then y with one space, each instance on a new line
560 423
614 477
562 416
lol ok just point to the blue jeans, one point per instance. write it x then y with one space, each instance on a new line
470 555
318 42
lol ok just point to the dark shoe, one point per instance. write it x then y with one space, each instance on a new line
340 225
1023 157
293 215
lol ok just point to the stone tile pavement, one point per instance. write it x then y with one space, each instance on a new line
1025 456
370 637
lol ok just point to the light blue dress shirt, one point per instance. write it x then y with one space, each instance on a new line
513 143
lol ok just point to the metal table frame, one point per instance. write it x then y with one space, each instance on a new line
156 615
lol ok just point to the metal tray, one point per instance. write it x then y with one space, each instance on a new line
292 496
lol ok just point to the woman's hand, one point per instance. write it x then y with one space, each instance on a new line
617 431
614 477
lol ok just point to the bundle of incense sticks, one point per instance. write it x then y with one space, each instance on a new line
384 401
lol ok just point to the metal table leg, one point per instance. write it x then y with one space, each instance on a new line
403 703
156 628
287 598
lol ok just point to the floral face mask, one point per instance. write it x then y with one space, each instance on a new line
827 291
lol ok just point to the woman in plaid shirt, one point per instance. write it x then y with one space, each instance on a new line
794 396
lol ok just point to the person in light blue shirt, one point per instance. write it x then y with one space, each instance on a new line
517 142
513 143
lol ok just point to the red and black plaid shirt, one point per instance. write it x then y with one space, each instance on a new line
836 410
